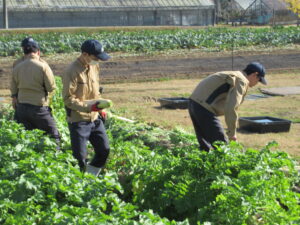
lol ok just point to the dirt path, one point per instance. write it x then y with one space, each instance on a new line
192 67
144 68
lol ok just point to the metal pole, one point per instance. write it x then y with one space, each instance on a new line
232 54
273 21
5 15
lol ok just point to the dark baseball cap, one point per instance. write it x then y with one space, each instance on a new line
29 41
93 47
259 68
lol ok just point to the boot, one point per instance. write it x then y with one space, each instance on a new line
93 170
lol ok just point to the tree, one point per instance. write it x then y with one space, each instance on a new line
294 5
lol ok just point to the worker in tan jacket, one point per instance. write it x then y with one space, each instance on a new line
80 95
221 94
24 43
32 82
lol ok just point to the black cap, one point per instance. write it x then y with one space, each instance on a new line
93 47
259 68
29 42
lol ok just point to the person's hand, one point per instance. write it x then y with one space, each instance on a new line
233 138
94 107
14 102
103 115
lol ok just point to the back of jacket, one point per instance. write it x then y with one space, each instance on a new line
222 93
23 58
18 61
32 81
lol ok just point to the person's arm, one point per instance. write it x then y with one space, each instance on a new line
49 80
70 86
14 89
233 101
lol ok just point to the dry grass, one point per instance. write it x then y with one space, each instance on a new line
138 101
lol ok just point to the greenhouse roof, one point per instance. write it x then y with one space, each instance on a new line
275 4
107 3
245 3
272 4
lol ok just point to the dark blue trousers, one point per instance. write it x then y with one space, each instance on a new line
95 132
37 117
207 126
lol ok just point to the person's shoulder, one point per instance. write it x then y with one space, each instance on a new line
43 61
241 76
20 64
36 61
232 74
74 68
18 61
223 74
229 76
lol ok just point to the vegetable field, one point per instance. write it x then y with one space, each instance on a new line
210 39
153 176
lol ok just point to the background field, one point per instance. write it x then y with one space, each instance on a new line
151 63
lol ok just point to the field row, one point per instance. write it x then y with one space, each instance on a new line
208 39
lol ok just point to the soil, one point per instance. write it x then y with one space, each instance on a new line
141 68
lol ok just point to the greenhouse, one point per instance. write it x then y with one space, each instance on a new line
87 13
266 11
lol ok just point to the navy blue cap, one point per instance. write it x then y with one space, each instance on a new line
93 47
29 41
259 68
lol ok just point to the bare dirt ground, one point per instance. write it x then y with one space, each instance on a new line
187 64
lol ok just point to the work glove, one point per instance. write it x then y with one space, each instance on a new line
233 138
95 108
103 115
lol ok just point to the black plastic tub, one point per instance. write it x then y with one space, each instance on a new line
264 124
174 103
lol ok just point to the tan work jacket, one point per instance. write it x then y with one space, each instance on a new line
222 93
23 58
80 88
32 81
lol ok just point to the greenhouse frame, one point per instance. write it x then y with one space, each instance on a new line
90 13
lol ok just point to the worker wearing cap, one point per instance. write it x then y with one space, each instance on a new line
221 94
32 82
24 42
80 88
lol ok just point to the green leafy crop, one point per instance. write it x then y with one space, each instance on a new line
153 176
209 39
